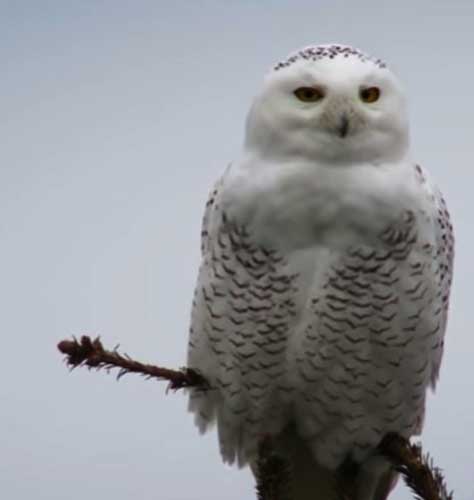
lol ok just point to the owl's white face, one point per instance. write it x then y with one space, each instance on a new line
344 108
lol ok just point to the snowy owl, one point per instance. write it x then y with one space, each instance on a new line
321 301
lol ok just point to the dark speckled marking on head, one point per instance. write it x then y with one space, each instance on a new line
318 52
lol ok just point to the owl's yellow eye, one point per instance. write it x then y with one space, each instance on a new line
370 94
309 94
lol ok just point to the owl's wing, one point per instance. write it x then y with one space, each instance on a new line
243 310
200 346
442 261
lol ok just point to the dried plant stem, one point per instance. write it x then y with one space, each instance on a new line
91 353
420 475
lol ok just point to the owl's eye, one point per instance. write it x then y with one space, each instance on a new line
369 94
309 94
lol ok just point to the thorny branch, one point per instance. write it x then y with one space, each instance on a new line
418 471
91 353
273 474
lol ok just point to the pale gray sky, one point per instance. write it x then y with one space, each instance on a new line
116 118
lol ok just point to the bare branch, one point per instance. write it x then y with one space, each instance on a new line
420 475
91 353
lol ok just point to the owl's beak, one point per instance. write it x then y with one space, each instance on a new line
343 126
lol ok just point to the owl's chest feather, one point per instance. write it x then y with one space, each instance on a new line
296 206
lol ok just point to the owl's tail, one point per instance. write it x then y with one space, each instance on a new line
372 480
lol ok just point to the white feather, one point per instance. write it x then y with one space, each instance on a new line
321 300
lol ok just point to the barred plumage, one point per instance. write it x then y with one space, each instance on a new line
322 297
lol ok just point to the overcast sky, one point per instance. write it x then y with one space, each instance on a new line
116 118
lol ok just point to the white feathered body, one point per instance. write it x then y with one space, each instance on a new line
321 303
322 297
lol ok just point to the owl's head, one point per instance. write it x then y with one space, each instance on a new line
330 103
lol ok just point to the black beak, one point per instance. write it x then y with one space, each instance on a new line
343 126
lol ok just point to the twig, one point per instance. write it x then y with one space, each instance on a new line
420 475
273 473
91 353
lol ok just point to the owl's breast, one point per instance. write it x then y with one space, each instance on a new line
294 206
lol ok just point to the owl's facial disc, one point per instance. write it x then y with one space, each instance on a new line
331 104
